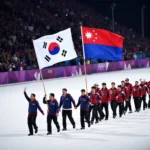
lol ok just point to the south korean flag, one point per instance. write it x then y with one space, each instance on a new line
55 48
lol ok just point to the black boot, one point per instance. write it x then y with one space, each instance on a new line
101 118
30 134
106 118
74 126
58 130
36 130
130 112
96 122
82 128
64 129
49 133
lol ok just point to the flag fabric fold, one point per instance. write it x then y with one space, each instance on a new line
103 44
52 49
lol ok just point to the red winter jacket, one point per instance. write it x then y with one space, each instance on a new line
144 89
104 95
120 96
129 87
112 94
125 90
136 91
95 98
98 90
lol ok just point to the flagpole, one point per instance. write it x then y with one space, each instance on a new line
85 73
44 87
43 82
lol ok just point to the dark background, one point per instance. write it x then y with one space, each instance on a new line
127 12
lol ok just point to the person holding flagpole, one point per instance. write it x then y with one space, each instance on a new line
66 101
53 112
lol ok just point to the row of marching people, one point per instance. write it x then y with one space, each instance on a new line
119 96
92 105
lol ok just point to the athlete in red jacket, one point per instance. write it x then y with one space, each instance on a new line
98 90
137 96
144 91
112 99
95 98
99 106
105 99
125 90
128 102
120 99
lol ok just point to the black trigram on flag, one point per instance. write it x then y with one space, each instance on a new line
59 39
64 52
44 45
47 58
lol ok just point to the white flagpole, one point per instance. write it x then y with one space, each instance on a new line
44 89
43 81
85 74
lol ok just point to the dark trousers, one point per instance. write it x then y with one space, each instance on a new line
32 122
68 113
149 102
84 115
105 106
137 103
49 123
93 109
99 110
128 104
144 101
114 107
121 108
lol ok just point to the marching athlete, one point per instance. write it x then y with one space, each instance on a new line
137 96
112 99
53 111
95 99
99 106
97 89
105 99
33 106
83 102
125 90
128 102
66 101
144 91
120 99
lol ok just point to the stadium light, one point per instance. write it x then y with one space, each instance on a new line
142 21
113 18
